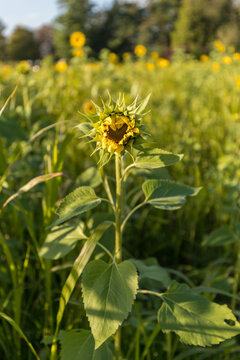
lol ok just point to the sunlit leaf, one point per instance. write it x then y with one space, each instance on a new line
196 320
156 158
77 202
108 293
61 240
166 194
79 344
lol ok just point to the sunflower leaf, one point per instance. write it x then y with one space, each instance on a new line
156 158
197 320
108 294
167 194
79 344
77 202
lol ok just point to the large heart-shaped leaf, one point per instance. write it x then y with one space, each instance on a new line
77 202
79 344
61 240
108 294
166 194
197 320
156 158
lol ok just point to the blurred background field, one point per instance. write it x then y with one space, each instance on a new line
187 55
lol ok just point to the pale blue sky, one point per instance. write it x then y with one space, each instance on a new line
31 13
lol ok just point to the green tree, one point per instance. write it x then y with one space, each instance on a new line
76 16
199 22
116 28
2 42
22 45
160 17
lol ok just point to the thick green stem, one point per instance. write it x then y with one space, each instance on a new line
118 211
118 239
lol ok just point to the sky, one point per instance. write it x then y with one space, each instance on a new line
31 13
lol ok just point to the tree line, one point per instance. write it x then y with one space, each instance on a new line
160 25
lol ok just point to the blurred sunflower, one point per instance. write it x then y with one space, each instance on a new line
78 52
162 62
150 66
113 58
226 60
204 58
236 56
140 50
77 39
61 66
89 107
219 46
215 66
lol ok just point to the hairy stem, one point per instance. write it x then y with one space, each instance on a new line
118 239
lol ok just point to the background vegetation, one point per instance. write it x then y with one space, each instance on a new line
195 110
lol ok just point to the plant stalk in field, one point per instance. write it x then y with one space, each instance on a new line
110 287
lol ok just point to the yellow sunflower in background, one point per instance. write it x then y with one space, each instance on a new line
140 50
89 107
78 52
61 66
77 39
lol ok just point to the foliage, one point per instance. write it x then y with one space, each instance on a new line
22 45
194 110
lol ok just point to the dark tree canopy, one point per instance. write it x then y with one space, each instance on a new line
2 42
22 45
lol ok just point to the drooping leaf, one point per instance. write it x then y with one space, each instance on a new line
221 236
33 182
77 202
78 267
156 158
90 177
166 194
108 293
79 344
197 320
61 240
153 272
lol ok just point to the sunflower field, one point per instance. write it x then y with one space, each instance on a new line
87 271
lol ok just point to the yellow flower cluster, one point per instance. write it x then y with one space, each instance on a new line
227 60
140 50
236 56
77 41
219 46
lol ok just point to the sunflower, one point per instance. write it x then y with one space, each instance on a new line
77 39
78 52
140 50
118 125
61 66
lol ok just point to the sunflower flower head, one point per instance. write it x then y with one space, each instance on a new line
77 39
118 125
